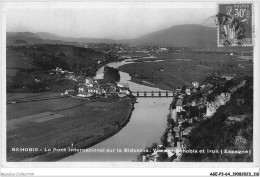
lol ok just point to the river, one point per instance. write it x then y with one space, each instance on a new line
146 125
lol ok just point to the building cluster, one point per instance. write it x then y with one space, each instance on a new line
59 70
176 133
143 49
67 74
91 87
226 51
181 121
125 48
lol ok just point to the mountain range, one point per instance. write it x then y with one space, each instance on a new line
189 35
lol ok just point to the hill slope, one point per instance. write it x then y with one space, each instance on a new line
44 35
50 36
181 36
14 38
24 64
176 36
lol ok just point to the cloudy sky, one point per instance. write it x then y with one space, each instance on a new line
116 20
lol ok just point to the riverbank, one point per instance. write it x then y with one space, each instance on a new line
55 129
140 130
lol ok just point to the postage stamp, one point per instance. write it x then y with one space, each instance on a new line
235 24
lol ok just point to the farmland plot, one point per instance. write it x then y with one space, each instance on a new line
15 96
59 122
15 111
57 104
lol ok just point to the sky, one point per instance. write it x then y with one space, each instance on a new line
114 20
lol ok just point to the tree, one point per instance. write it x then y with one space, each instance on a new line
75 66
183 88
111 74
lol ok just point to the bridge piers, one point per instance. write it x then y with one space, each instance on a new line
153 94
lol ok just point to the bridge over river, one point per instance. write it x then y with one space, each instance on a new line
152 94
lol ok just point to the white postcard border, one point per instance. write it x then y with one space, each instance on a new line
131 164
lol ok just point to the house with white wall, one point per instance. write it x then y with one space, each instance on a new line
179 106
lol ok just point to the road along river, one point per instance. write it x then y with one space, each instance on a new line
145 127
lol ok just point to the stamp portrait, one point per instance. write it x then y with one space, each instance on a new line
235 24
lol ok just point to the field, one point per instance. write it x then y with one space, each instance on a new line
14 60
15 96
58 123
181 69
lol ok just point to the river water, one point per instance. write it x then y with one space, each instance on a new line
146 126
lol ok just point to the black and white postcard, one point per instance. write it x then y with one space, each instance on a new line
130 84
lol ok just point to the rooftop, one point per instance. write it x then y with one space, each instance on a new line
179 102
119 84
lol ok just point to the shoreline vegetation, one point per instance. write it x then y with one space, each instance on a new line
111 74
